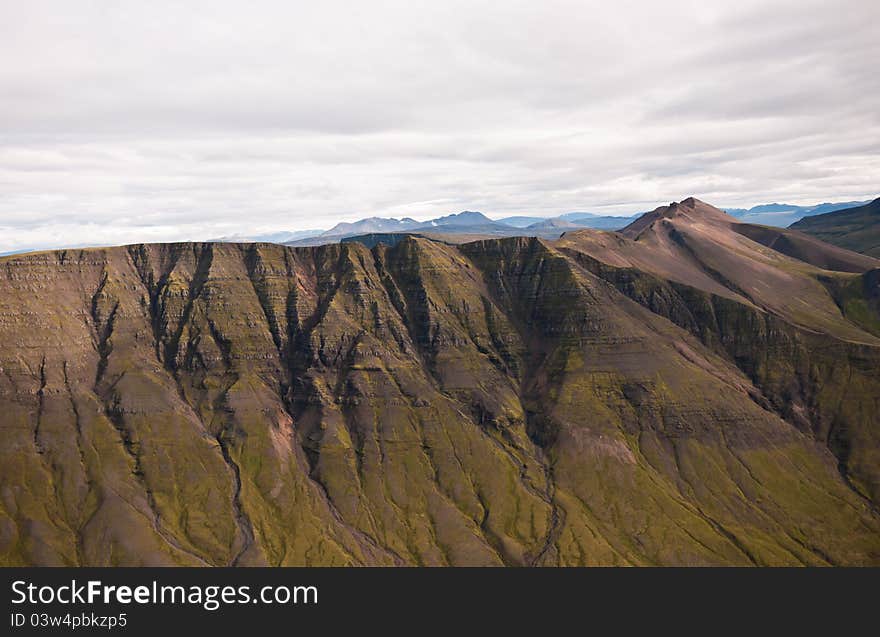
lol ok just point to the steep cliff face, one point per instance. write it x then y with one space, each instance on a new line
507 401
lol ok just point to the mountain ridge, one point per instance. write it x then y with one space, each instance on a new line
853 228
508 226
511 401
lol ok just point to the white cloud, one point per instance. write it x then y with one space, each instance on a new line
125 121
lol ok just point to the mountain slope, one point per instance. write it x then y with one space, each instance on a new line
696 244
507 401
806 336
856 229
806 248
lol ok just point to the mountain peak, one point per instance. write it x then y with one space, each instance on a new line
690 209
465 217
372 224
692 203
469 214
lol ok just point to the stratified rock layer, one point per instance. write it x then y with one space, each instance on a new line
507 401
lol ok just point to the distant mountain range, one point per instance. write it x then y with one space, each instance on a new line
467 225
783 215
470 225
521 222
271 237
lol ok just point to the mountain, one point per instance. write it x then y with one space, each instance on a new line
556 223
578 216
463 227
606 223
561 224
854 229
521 222
465 224
806 248
544 226
571 220
466 218
713 220
469 225
822 208
783 215
371 224
675 393
698 245
271 237
773 207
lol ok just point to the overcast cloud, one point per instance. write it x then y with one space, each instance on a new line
154 121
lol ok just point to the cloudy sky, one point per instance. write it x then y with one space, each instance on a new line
148 121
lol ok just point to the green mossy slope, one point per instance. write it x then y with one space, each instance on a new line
503 402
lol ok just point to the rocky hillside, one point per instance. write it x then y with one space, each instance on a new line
677 393
855 228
